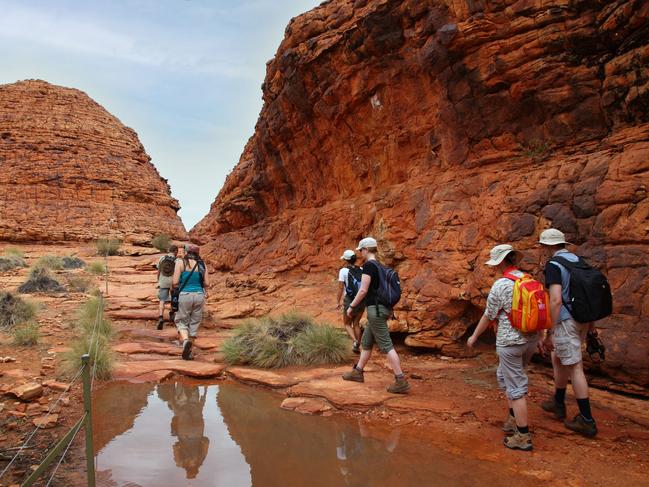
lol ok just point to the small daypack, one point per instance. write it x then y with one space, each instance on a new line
167 265
590 292
389 291
353 283
530 304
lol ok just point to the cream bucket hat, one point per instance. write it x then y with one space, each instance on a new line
552 236
498 253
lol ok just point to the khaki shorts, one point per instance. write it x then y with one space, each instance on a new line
567 339
377 330
164 294
358 311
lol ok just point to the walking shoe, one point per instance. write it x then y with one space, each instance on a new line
552 406
172 316
187 349
509 426
519 441
354 375
582 426
160 323
355 347
400 386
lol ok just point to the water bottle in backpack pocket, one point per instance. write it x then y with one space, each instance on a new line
353 282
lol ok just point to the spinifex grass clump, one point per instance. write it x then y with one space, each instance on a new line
40 280
14 310
79 284
53 262
26 334
93 332
70 262
12 259
290 339
161 242
108 246
96 268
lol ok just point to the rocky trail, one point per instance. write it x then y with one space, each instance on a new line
454 403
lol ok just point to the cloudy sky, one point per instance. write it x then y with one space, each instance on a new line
185 74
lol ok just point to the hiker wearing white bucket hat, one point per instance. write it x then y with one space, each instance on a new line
349 279
564 341
515 349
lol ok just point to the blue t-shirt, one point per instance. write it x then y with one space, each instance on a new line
555 273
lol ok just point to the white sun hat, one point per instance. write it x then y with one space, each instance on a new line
498 253
552 236
348 254
367 243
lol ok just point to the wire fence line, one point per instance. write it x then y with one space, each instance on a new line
63 455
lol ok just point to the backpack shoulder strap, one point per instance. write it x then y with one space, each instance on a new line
182 286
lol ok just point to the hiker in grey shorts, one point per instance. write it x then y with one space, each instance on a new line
515 349
191 277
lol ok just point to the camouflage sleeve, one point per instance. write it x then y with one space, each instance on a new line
493 302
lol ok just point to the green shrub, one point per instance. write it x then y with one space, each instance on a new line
14 252
107 246
40 280
79 284
26 334
53 262
15 310
96 267
11 262
290 339
90 313
161 242
70 262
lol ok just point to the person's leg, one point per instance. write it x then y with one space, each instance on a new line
182 322
511 365
395 363
161 308
580 388
377 317
367 342
509 425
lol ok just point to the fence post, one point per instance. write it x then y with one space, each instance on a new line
87 405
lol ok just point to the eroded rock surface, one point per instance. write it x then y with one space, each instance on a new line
72 171
443 128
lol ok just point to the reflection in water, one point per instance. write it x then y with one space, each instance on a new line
187 425
234 436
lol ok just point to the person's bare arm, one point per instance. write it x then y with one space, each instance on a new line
177 271
341 286
483 324
555 311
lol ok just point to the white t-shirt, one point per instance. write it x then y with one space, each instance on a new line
342 275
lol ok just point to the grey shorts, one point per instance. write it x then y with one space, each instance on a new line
164 294
377 330
567 339
511 368
190 312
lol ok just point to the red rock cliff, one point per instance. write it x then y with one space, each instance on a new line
72 171
443 128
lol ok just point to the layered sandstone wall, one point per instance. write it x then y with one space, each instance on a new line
443 128
72 171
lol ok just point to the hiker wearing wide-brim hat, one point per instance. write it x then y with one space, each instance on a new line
378 314
349 280
515 349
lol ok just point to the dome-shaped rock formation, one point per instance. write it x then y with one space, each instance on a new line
443 128
69 170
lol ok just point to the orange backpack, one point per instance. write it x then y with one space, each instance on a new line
530 304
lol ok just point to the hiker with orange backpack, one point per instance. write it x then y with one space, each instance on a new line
520 304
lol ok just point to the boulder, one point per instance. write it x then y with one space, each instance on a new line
28 391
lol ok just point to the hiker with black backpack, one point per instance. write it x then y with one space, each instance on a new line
579 295
166 265
349 282
189 294
518 305
381 290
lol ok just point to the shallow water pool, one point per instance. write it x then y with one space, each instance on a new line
180 434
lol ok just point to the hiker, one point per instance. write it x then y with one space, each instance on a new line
166 265
378 314
514 348
349 279
190 282
565 342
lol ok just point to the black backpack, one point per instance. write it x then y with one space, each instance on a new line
167 266
389 291
590 292
353 283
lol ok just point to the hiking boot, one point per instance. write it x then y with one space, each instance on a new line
400 386
172 316
582 426
160 323
509 426
355 347
187 350
519 441
354 375
552 406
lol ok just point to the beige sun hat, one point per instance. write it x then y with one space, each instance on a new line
498 253
348 254
367 243
552 236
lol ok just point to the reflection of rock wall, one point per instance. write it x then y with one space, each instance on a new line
71 171
443 128
115 408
